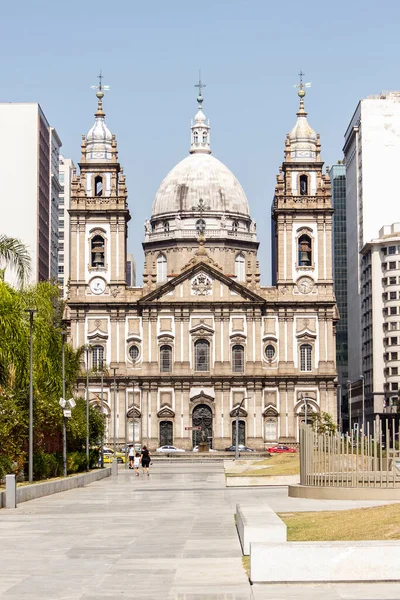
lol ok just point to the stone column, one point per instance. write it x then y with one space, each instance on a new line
187 417
113 250
283 412
258 322
187 342
146 320
218 354
121 248
281 321
113 336
153 420
227 409
258 441
321 249
292 417
154 344
322 335
121 413
289 246
225 324
290 339
82 250
219 417
145 412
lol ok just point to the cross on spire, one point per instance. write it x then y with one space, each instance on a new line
200 85
301 79
100 77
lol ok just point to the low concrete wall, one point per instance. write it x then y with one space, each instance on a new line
46 488
325 561
343 493
263 481
258 524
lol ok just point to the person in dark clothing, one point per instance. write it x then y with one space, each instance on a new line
145 460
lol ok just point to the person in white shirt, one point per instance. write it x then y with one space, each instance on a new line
136 463
131 456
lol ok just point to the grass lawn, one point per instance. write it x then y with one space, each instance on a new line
246 564
376 523
280 464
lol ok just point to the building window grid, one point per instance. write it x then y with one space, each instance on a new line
306 357
202 355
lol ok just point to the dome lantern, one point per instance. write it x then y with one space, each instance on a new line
200 128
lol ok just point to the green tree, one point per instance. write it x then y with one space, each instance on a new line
323 423
14 254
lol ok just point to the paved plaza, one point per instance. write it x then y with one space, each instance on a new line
170 536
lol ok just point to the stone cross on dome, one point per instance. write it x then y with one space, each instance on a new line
100 93
302 92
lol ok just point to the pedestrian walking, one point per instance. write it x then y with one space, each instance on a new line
136 463
131 456
145 460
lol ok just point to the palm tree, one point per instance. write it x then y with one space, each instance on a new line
13 253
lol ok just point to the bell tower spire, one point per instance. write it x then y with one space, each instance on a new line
200 129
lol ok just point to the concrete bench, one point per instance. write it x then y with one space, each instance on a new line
258 524
324 561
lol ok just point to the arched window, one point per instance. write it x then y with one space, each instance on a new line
240 270
238 359
235 226
303 185
196 137
97 251
202 355
165 359
97 357
200 225
98 186
306 357
166 226
162 268
304 247
204 137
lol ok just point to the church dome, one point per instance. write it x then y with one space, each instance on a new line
200 176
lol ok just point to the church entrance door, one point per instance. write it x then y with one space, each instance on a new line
202 417
242 432
166 437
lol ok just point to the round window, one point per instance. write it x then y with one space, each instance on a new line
134 353
270 351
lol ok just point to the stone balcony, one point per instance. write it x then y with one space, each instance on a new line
194 234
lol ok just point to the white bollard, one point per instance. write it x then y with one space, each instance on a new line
11 491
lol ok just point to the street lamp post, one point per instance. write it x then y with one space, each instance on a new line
339 387
87 349
115 416
349 402
305 409
64 429
363 404
237 428
31 312
102 416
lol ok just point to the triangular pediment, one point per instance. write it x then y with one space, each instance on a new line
133 413
242 411
166 412
270 411
201 283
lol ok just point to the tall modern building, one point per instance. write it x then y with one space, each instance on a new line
338 182
380 306
66 168
130 271
371 156
29 175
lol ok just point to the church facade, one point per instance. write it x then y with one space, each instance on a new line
202 337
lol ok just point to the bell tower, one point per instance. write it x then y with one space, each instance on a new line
302 212
99 213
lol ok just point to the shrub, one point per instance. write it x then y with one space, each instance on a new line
5 466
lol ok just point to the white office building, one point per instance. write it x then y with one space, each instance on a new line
66 168
372 158
29 185
380 311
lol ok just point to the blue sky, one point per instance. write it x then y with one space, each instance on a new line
250 53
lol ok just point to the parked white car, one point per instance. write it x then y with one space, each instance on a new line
196 449
167 449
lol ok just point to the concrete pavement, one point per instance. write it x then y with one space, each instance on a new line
170 536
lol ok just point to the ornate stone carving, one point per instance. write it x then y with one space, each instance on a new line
201 285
